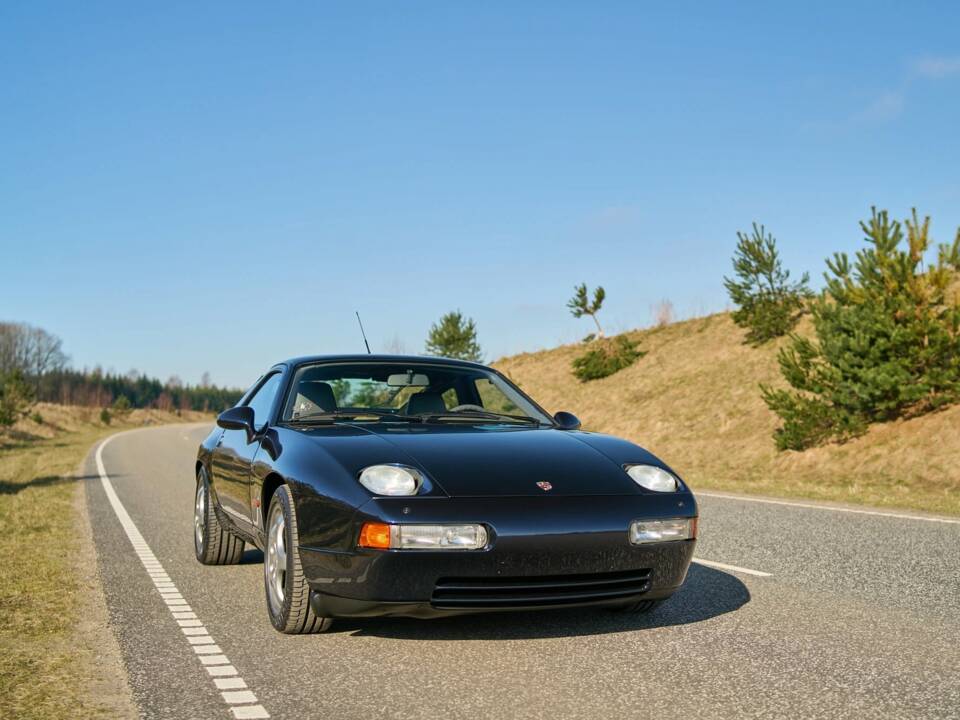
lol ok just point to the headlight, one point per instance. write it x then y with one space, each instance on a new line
652 478
423 537
654 531
391 480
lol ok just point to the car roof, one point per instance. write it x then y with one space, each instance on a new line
378 358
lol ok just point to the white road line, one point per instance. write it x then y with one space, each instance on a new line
204 640
207 650
810 506
249 712
732 568
230 683
242 704
221 670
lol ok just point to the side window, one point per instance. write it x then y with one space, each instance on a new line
262 400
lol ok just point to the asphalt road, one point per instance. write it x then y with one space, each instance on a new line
859 616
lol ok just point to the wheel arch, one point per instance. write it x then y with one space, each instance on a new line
270 484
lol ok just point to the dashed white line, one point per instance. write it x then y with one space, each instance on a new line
207 650
206 640
229 683
249 712
239 696
242 702
213 660
811 506
731 568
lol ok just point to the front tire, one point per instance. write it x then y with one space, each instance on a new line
213 544
287 591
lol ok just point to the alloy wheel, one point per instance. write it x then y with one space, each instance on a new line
200 515
275 562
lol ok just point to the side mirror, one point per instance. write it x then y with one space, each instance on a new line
237 418
566 421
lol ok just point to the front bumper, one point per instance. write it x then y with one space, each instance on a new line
544 553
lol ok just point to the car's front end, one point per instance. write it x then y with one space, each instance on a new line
540 545
435 555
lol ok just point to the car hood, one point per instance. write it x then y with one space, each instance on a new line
491 460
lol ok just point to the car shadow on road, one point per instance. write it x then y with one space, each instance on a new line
705 594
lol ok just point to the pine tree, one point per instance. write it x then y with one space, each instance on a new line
580 305
16 397
887 339
454 337
121 406
768 304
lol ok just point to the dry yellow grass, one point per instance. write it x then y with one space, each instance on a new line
48 667
693 400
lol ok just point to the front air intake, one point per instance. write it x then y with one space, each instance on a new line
536 591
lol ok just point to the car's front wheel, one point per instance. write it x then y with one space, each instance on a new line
288 595
213 544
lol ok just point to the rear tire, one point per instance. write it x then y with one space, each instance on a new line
287 591
640 607
213 544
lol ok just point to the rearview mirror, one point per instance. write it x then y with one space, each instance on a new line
408 379
237 418
566 421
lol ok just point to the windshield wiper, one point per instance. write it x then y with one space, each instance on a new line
476 415
329 417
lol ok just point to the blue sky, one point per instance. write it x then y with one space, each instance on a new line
190 188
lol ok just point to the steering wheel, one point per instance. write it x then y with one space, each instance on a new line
474 408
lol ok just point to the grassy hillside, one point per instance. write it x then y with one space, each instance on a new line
52 665
693 400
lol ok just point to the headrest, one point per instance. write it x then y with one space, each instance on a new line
425 403
320 394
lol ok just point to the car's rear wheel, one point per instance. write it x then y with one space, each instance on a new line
213 544
288 595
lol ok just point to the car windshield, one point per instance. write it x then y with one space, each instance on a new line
406 391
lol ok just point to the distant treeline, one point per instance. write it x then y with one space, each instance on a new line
97 389
33 367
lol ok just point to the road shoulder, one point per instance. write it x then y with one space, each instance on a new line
109 683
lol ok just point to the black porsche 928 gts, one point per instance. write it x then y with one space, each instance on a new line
383 485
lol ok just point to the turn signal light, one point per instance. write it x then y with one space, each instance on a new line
375 535
381 536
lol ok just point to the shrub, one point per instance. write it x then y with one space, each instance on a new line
809 422
606 357
121 406
105 416
37 418
16 396
768 304
887 340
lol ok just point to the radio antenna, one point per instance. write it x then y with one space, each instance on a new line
362 332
